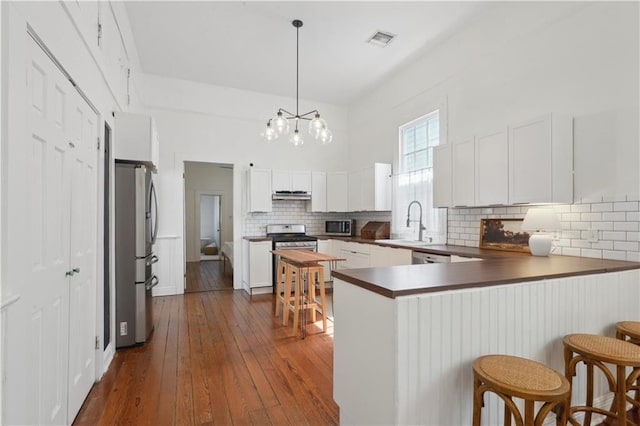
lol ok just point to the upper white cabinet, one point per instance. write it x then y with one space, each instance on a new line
284 180
541 160
370 188
463 159
259 190
492 169
337 192
529 162
318 192
136 138
442 175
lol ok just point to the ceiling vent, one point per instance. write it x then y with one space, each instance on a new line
381 38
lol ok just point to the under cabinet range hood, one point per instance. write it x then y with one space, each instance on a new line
291 195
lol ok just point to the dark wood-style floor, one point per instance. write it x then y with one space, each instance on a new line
208 275
218 357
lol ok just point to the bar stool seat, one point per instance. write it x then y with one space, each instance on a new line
514 377
595 351
629 331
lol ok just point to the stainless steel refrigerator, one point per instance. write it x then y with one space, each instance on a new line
136 227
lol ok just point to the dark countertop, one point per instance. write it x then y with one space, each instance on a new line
405 280
256 239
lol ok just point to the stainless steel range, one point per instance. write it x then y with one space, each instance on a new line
289 237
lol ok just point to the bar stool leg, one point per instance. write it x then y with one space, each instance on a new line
288 281
587 415
280 298
298 295
621 384
311 292
323 299
477 401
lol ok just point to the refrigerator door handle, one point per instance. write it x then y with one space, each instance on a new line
152 282
153 259
154 215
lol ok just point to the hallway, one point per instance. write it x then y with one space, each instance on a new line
208 275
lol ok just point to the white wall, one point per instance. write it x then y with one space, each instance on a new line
198 122
205 178
519 60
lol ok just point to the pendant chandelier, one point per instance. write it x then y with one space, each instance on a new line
279 125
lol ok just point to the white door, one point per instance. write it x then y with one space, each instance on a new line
83 237
48 239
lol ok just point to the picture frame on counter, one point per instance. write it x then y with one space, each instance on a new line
503 234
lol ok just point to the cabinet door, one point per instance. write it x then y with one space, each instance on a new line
442 176
259 264
301 181
463 173
259 193
492 169
530 171
355 191
382 187
280 180
135 138
337 192
398 256
318 192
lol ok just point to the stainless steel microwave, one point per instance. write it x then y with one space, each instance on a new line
340 227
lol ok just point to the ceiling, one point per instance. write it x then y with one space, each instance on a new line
251 45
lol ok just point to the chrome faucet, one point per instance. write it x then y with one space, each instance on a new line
421 226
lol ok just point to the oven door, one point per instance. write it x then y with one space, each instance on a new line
310 245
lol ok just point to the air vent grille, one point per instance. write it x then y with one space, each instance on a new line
381 38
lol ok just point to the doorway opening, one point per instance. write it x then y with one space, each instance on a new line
208 226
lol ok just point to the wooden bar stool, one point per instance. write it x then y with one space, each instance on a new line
513 377
282 298
302 300
595 351
630 331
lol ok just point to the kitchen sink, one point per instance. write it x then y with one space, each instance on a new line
406 243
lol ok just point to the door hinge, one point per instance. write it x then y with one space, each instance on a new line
99 33
98 143
128 86
97 342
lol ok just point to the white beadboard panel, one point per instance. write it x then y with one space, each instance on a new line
440 334
171 278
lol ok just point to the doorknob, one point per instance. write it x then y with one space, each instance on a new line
76 270
72 272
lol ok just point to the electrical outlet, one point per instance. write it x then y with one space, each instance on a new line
123 328
592 235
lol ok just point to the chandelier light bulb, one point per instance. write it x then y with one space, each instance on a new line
325 136
295 139
270 133
316 125
281 124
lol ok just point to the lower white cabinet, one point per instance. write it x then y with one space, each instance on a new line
324 246
256 269
389 256
356 255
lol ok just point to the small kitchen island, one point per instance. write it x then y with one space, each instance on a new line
405 337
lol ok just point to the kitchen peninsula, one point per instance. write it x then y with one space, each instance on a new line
404 355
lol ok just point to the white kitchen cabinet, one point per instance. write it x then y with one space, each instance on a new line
337 192
389 256
357 255
370 188
285 180
256 271
259 190
442 176
324 246
318 192
463 158
540 160
492 169
135 138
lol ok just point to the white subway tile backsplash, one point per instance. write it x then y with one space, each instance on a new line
630 206
590 217
625 245
615 236
616 218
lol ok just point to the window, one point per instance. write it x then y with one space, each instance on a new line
414 181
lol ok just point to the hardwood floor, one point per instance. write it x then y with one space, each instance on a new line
218 357
208 275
